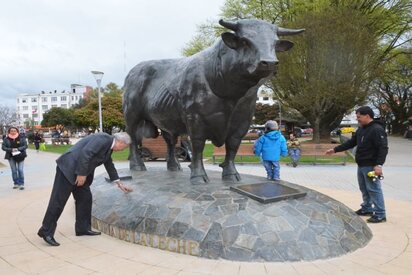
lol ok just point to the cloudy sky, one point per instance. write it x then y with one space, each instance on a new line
50 44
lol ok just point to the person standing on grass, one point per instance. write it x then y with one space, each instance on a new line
270 147
15 146
294 149
372 148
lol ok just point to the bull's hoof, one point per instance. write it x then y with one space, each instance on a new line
197 180
138 168
231 177
174 168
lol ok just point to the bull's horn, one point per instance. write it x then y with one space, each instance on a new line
229 25
284 31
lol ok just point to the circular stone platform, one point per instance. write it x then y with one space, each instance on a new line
165 211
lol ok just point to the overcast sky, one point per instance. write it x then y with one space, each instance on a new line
50 44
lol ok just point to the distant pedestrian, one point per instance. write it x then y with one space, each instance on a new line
270 147
294 149
37 139
372 148
15 147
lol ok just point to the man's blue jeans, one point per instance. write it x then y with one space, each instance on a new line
372 194
272 169
17 171
294 154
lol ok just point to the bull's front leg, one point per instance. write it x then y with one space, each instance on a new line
198 174
229 170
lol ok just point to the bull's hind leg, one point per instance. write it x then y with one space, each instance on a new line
198 174
229 170
135 161
172 162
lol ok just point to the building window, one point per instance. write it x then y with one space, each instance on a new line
24 100
34 99
18 108
44 99
265 98
64 106
54 98
34 115
17 101
44 107
25 108
72 97
63 98
34 108
54 105
25 115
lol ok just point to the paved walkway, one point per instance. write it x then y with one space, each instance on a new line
23 252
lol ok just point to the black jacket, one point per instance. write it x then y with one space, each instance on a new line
20 144
86 155
372 144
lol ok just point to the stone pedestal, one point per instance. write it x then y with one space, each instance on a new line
165 211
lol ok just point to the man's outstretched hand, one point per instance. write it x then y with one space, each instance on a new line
80 180
123 187
330 152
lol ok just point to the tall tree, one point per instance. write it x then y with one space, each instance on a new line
392 92
112 115
346 44
8 117
58 116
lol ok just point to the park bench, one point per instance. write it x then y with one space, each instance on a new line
61 141
154 148
245 150
251 136
318 151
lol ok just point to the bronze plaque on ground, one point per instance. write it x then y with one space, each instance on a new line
267 192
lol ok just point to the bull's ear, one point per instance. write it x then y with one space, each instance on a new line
283 45
231 40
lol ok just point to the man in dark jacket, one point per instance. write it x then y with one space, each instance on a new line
372 148
74 175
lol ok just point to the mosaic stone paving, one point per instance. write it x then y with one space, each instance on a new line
165 211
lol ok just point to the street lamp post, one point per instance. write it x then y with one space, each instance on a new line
280 116
98 76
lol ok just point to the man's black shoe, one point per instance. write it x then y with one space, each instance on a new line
88 233
48 239
362 212
376 219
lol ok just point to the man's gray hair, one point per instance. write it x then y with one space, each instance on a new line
123 137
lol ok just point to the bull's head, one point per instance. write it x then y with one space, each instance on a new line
256 43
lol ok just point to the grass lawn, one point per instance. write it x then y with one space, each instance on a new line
60 149
207 154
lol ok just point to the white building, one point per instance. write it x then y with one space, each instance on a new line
265 96
31 107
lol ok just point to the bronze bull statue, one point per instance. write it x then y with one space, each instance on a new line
210 95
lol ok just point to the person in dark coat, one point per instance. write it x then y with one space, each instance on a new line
372 148
74 175
15 146
37 138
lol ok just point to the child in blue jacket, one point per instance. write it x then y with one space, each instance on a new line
270 147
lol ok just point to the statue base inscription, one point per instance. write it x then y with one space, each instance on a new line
166 211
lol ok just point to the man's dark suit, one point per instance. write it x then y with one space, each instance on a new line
80 160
